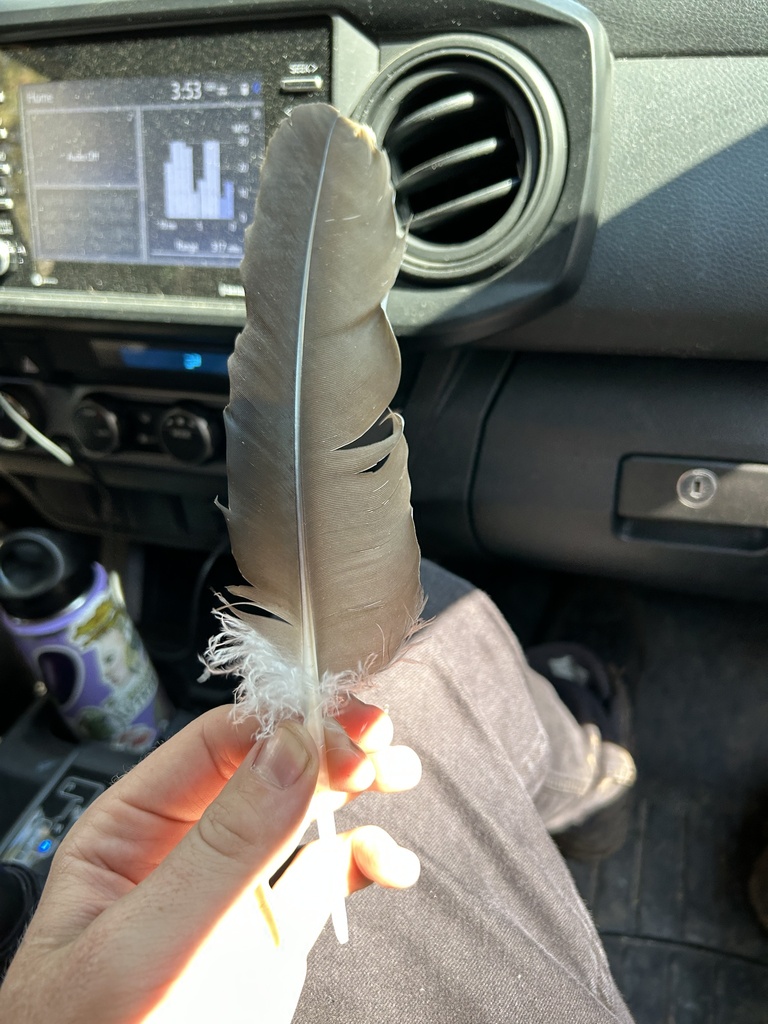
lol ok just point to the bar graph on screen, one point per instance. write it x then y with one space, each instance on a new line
200 173
143 171
188 197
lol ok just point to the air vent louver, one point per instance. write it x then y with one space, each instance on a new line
452 195
477 147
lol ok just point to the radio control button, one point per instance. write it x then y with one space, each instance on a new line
11 253
189 436
96 427
301 83
6 204
6 256
3 134
144 427
5 170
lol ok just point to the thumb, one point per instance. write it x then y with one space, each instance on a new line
248 831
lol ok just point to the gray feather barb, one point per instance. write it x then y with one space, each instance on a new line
319 510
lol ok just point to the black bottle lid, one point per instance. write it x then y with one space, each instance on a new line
42 572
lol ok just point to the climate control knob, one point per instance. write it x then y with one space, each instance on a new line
190 435
96 427
12 253
6 257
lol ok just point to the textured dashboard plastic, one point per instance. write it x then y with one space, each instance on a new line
680 261
638 28
650 28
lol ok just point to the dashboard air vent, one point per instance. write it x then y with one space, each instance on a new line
460 157
477 143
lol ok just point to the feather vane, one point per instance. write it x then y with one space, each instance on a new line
319 512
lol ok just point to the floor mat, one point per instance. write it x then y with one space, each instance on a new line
670 984
672 904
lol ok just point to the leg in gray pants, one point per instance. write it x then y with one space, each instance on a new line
495 929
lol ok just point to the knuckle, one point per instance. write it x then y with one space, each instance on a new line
220 759
225 834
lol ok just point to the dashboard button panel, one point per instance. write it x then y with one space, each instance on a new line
127 428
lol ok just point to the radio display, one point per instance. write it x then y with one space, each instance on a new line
130 162
153 171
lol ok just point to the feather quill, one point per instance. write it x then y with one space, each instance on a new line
319 512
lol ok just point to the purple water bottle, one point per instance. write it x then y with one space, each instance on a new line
68 618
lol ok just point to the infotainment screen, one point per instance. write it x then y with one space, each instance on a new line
143 171
130 163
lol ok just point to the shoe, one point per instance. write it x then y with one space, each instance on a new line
604 617
594 694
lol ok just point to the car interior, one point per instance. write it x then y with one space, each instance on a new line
582 315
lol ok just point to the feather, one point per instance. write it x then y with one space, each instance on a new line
319 512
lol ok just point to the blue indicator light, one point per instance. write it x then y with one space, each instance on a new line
144 357
256 88
45 846
192 360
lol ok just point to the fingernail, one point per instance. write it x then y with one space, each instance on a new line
283 758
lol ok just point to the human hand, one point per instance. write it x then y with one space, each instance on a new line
158 906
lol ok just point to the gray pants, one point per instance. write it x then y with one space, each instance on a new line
495 929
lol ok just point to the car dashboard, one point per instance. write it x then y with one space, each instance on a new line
581 312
